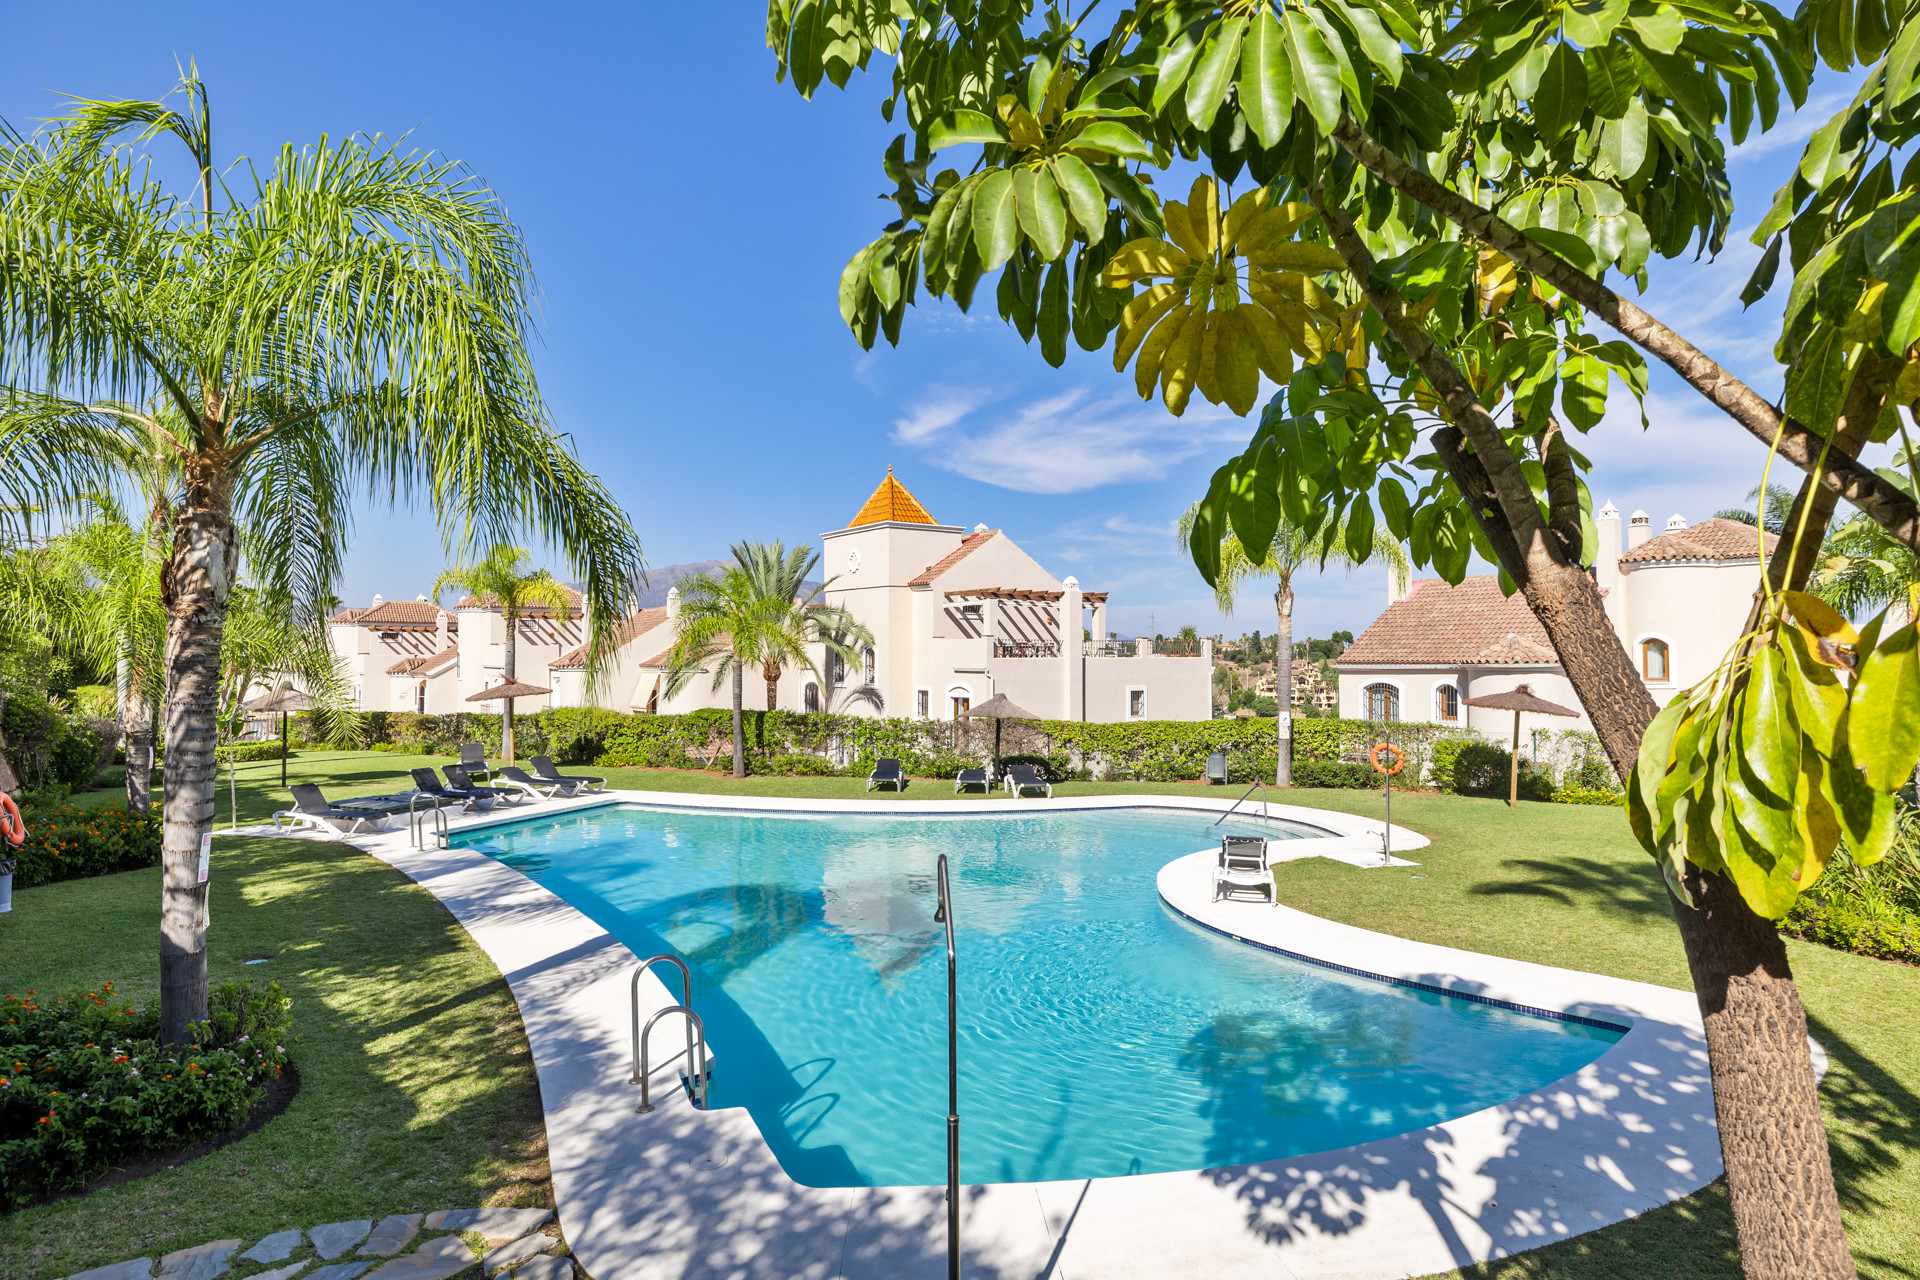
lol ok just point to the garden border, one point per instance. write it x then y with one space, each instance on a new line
683 1193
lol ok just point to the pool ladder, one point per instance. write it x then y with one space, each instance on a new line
1261 787
696 1033
418 822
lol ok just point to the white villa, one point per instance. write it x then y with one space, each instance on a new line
1678 602
956 618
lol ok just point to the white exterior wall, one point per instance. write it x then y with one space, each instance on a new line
483 636
1699 609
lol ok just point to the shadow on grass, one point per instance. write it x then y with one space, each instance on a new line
1873 1130
1618 889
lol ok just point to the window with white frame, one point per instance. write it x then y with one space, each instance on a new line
836 668
1653 661
922 702
420 697
810 697
869 669
1446 702
1383 702
1136 703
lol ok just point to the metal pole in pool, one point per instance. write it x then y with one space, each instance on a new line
945 916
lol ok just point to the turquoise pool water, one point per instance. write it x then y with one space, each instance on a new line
1100 1033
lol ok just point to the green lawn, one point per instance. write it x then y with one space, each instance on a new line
390 1119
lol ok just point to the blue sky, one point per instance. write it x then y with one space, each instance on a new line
688 220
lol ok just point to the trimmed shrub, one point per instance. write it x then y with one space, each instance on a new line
1334 773
1874 910
75 758
33 730
86 1085
795 766
1584 795
65 842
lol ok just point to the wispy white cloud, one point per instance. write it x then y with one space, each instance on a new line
1791 132
1064 443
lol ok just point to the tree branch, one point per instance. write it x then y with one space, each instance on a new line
1800 445
1563 492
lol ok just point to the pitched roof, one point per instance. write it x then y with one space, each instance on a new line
1714 539
968 545
575 600
403 613
425 665
1471 624
347 615
638 625
891 501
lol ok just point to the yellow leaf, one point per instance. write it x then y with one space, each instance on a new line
1273 226
1296 255
1821 618
1906 388
1291 284
1141 258
1276 357
1863 323
1296 324
1203 214
1181 363
1819 826
1498 280
1244 211
1139 317
1236 360
1180 230
1058 92
1205 377
1021 126
1154 350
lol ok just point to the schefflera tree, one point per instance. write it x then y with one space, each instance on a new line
1456 184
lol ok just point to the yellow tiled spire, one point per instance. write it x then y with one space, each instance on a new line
891 501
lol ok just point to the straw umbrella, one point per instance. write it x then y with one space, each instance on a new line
509 691
284 700
999 708
1520 699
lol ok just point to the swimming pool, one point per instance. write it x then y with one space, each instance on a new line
1101 1034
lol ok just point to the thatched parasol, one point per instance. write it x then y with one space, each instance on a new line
282 701
1517 700
998 708
508 691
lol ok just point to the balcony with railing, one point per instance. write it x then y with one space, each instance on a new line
1026 648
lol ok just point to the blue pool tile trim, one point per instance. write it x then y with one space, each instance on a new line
1555 1014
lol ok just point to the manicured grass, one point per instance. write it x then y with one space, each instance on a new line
384 978
418 1090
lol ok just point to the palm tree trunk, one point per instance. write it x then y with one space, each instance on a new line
773 694
1283 683
194 587
136 732
739 734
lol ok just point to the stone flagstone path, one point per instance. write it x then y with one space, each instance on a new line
512 1241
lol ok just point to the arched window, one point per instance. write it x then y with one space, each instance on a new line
959 700
811 699
1446 702
868 669
836 669
420 698
1383 702
1653 660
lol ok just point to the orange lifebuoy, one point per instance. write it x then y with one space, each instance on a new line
1399 759
12 825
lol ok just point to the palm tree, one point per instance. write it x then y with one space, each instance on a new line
497 582
1292 549
354 317
754 614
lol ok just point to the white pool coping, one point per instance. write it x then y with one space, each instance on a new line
683 1193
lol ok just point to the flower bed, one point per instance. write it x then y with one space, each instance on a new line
65 842
86 1085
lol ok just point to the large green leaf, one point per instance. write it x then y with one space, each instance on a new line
1395 509
1662 29
1054 319
855 284
1380 46
1884 710
1316 74
1562 95
1819 699
996 219
1583 391
1253 501
1114 138
1590 23
1085 200
1643 783
1043 215
1175 64
957 127
1207 86
1134 196
1210 526
1266 79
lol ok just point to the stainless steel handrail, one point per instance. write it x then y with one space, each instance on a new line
686 999
697 1077
442 834
1261 787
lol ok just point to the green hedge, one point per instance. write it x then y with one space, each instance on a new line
86 1085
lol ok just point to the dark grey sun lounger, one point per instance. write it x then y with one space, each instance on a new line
458 780
545 788
971 778
470 797
887 772
1022 778
544 770
310 809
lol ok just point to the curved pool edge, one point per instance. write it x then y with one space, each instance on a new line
682 1193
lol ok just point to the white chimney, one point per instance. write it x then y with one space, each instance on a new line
1396 586
1606 561
1639 529
980 528
376 598
1676 522
421 598
673 602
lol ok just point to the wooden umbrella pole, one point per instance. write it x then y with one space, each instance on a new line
1513 774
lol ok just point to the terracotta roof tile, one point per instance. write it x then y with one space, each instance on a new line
402 613
638 625
577 601
1468 624
891 501
1714 539
425 664
968 545
347 615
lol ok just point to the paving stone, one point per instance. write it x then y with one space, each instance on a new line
202 1262
498 1225
287 1272
520 1250
547 1267
274 1248
336 1238
340 1271
391 1236
136 1269
435 1260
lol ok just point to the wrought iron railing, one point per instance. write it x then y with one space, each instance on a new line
1026 649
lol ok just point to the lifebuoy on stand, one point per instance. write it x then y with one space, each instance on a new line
1399 759
12 825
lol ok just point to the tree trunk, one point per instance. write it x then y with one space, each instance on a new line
137 746
195 585
739 732
507 665
1283 683
772 677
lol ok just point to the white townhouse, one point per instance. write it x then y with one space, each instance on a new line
956 617
415 655
1677 602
